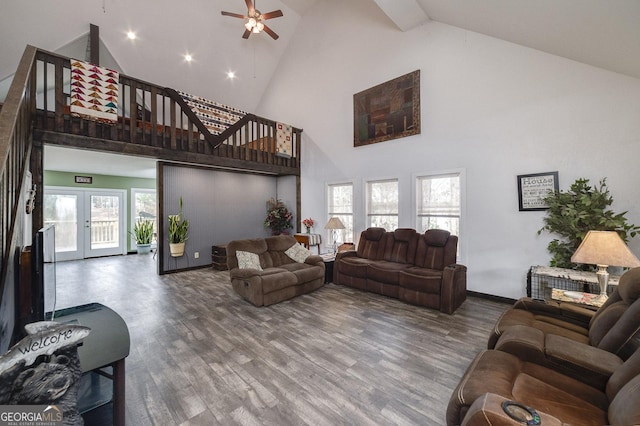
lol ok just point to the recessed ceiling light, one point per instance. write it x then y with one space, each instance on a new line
231 75
188 57
131 35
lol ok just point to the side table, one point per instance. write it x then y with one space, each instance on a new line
106 346
541 279
309 240
219 257
588 300
329 259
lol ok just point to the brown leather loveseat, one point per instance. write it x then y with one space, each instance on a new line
420 269
269 270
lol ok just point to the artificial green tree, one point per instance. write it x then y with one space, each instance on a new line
577 211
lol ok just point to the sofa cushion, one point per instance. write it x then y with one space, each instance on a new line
619 317
386 272
421 279
551 325
624 409
276 246
355 266
298 253
436 237
248 260
305 272
401 245
256 245
534 392
277 279
541 388
436 249
623 375
601 325
372 243
628 290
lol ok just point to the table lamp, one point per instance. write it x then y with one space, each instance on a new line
604 248
334 225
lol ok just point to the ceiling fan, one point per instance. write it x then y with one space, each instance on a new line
255 20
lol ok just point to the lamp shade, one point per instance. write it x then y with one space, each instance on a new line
604 248
334 223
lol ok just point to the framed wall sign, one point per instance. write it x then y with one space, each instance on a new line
387 111
533 188
84 179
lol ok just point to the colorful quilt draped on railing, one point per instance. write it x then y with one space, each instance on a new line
94 92
284 142
215 116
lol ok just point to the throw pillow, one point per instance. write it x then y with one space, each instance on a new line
248 260
298 253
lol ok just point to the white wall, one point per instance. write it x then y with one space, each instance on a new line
492 108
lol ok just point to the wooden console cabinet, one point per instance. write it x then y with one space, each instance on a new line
219 257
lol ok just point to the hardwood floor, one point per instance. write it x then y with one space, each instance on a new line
200 355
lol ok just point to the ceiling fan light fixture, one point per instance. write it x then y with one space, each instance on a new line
254 20
250 25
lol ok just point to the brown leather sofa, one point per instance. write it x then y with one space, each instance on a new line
420 269
495 377
607 328
278 277
574 340
572 365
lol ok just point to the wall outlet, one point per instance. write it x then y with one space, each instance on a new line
196 254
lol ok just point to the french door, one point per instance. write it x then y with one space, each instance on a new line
89 222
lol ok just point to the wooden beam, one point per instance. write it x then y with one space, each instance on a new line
94 44
37 179
96 144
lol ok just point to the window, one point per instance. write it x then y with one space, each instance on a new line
438 202
340 204
144 207
382 204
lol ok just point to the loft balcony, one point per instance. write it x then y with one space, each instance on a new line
152 121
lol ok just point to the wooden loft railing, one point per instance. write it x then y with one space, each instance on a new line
154 121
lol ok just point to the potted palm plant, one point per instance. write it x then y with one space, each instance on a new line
178 233
143 233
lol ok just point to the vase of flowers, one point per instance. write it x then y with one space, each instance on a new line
278 217
308 223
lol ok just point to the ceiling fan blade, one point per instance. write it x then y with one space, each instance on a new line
271 32
235 15
270 15
250 6
246 34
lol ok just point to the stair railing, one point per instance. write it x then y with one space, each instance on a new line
15 148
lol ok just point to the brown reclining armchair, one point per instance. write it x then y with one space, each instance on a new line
495 377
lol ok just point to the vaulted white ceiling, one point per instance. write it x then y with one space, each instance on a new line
601 33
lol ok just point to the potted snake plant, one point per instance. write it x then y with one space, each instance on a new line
178 233
143 233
